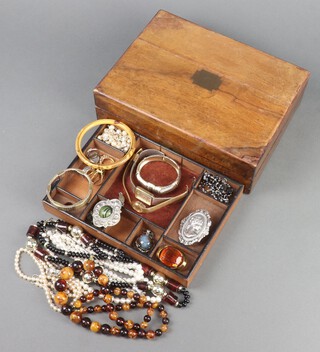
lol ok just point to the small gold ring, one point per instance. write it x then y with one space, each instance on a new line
117 163
106 157
76 205
96 175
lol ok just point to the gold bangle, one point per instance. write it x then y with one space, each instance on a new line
76 205
117 163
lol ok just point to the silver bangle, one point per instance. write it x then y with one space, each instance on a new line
76 205
152 187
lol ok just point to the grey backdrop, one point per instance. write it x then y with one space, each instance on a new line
259 288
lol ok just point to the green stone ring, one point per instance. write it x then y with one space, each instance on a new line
107 213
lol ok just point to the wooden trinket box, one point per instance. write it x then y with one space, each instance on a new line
210 103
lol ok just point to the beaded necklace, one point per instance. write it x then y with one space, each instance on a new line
122 282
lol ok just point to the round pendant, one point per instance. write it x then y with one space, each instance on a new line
144 242
194 227
106 213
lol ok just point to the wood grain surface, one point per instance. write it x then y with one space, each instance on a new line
231 129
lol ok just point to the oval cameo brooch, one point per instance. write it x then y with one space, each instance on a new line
194 227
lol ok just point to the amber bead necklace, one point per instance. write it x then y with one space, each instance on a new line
126 328
67 289
72 240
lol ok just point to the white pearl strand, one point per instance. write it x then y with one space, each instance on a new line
130 273
46 279
67 242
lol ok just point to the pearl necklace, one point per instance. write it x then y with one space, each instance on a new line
47 277
130 273
59 238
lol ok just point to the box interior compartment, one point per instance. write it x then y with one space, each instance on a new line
164 223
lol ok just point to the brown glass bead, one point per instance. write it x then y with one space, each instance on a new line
133 305
62 226
33 231
126 306
164 328
105 329
103 280
105 290
160 307
89 296
147 269
83 299
148 304
136 326
165 321
130 294
144 325
66 310
141 333
77 304
171 298
124 332
128 324
171 257
143 286
66 273
86 239
163 314
90 309
86 322
150 311
110 307
173 285
120 321
97 309
96 293
113 315
77 266
132 334
107 298
97 271
88 265
118 307
136 296
61 298
75 317
117 291
158 332
95 326
150 335
123 292
115 331
147 318
60 285
40 253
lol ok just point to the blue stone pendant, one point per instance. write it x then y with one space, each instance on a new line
144 242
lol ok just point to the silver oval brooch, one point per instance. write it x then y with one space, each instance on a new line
194 227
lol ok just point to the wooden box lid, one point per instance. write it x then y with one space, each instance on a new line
215 100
